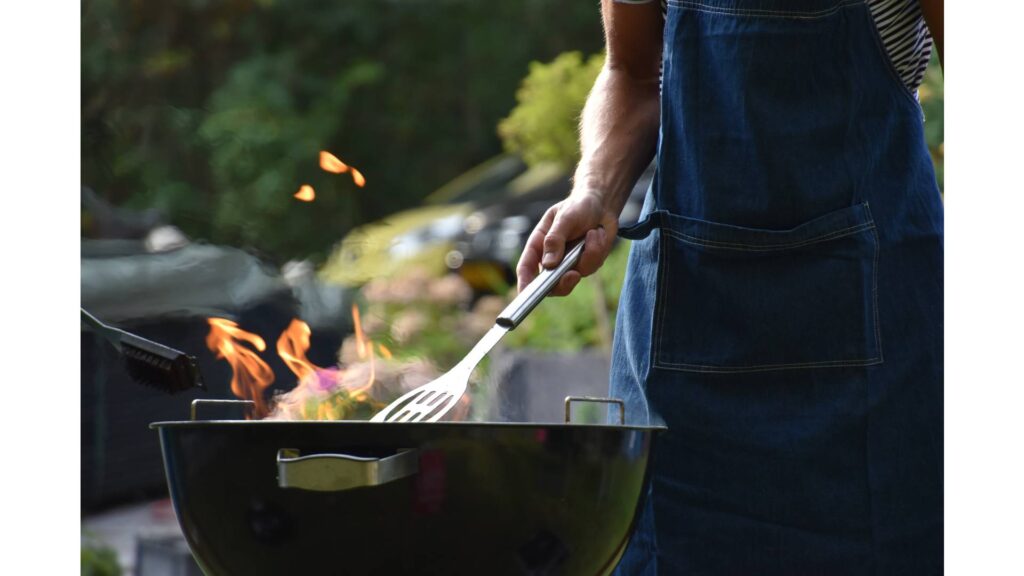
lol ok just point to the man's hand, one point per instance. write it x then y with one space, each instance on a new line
618 136
581 215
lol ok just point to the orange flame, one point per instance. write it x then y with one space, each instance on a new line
292 346
360 335
331 163
305 193
358 178
250 375
364 349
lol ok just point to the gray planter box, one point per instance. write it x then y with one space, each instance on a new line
531 386
166 555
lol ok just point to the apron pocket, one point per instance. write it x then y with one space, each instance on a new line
734 299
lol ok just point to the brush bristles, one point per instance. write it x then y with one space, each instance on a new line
168 375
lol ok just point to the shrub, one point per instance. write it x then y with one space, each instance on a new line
543 126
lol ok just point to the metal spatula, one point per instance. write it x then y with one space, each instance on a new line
430 402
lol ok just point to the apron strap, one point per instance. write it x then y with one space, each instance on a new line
643 227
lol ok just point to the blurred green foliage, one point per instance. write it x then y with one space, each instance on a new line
215 110
543 125
931 102
98 559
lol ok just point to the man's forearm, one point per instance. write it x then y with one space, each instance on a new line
618 135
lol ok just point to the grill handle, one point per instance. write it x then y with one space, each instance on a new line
338 472
570 399
214 402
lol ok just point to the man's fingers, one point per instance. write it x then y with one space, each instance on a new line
594 253
524 275
596 248
566 226
566 284
546 246
529 261
554 246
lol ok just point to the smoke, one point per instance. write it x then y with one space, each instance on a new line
355 392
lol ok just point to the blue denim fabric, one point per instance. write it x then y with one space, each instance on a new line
782 309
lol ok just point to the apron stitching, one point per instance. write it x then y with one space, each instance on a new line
867 476
769 247
762 11
767 367
867 398
660 297
874 289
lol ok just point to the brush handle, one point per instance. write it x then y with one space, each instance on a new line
178 371
120 338
113 335
92 320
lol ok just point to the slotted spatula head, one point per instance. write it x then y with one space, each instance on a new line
430 403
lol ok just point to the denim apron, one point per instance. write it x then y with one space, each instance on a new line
782 308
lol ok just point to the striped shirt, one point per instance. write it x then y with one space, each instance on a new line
905 36
903 32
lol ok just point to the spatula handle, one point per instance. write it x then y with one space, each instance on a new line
535 291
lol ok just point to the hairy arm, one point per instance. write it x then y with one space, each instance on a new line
932 10
619 128
618 136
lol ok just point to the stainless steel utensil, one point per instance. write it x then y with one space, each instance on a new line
430 402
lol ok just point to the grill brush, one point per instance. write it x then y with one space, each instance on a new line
148 362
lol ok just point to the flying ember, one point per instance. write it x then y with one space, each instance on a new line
331 163
358 178
306 193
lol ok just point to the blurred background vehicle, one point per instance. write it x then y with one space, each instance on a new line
419 236
492 235
486 251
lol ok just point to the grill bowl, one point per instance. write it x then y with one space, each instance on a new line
481 498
